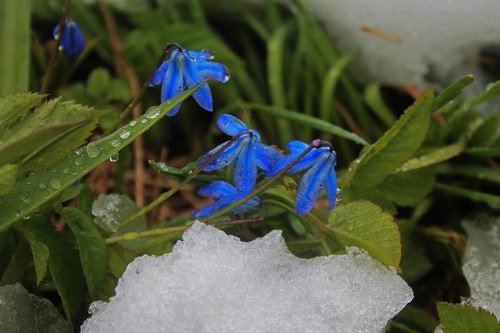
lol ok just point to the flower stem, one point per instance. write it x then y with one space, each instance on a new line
169 193
173 230
126 113
55 50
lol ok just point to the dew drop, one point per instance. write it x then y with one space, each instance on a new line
25 197
124 134
42 186
152 114
144 120
92 150
61 48
66 171
115 157
226 78
115 142
55 184
79 161
133 123
26 217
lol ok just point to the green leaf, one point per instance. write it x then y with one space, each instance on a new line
483 151
28 194
15 23
492 92
306 120
437 156
329 85
98 83
17 265
365 225
374 99
8 175
22 146
487 133
453 91
394 148
119 258
275 46
414 320
492 200
40 253
16 106
461 318
408 188
64 264
475 171
93 251
24 312
61 148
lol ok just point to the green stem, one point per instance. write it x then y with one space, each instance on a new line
154 232
53 55
173 190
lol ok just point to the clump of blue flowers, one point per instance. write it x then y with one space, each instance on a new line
320 163
72 42
185 69
247 154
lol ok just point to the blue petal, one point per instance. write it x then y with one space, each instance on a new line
72 41
172 83
245 168
331 185
192 77
266 157
159 74
296 146
252 204
217 190
203 55
211 208
213 71
231 125
224 159
311 184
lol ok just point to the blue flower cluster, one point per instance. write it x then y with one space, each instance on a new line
185 69
248 154
72 42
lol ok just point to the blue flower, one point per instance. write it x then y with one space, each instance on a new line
224 195
246 151
184 70
72 42
321 174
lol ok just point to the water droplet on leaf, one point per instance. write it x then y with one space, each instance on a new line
115 157
55 184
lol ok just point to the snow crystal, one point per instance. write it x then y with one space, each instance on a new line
481 265
213 282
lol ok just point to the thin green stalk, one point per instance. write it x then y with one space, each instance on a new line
173 190
154 232
53 55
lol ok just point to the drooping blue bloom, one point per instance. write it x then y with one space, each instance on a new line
321 174
72 42
184 70
247 153
224 194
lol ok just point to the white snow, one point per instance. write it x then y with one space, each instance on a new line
482 265
213 282
437 41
